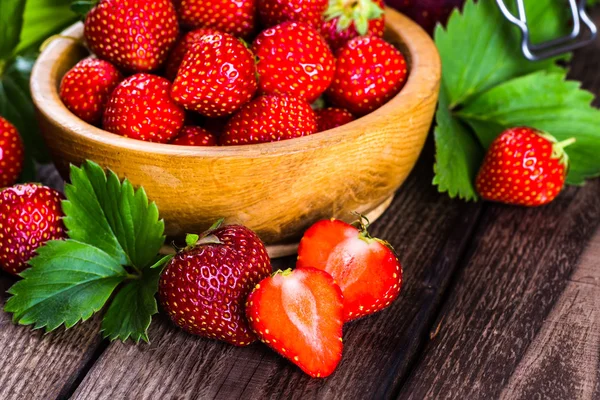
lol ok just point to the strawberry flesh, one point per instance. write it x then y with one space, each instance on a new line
367 270
299 315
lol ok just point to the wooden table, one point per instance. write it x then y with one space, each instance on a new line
498 302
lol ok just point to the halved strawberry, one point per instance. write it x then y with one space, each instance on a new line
299 315
366 269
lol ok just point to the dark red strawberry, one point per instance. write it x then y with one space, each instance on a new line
344 20
524 166
141 108
217 76
135 35
195 136
183 45
30 215
427 13
274 12
332 117
12 154
293 59
85 89
366 269
369 72
270 119
299 315
236 17
204 288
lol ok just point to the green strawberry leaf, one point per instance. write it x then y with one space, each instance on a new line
458 154
480 48
108 214
11 22
43 18
546 101
67 283
130 313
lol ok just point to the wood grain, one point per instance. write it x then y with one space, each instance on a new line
378 350
39 366
277 189
563 361
521 263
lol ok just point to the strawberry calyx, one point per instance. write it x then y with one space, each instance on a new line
284 273
359 12
558 148
362 224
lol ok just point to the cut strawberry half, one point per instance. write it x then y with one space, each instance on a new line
366 268
299 314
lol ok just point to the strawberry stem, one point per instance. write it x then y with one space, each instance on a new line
565 143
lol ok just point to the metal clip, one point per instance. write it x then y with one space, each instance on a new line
576 39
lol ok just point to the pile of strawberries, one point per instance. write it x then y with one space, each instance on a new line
184 72
221 287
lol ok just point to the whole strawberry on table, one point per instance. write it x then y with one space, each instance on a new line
254 65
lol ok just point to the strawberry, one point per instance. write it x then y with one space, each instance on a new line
217 76
30 215
85 89
204 287
12 153
366 268
329 118
523 166
140 108
195 136
369 72
344 20
299 315
181 48
293 59
270 119
135 35
237 17
274 12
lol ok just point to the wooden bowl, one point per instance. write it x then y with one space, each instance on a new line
277 189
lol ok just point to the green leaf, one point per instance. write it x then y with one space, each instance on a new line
546 101
458 155
67 283
111 215
162 262
11 22
131 311
83 7
480 48
43 18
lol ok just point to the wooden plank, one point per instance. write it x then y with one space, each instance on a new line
429 232
563 360
38 366
521 263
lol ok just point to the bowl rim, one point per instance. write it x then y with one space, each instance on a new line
423 82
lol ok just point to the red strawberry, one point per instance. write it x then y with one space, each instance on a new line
274 12
217 76
344 20
183 45
141 108
293 59
236 17
329 118
12 153
366 268
195 136
85 89
203 289
369 72
30 215
270 119
299 315
525 167
135 35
